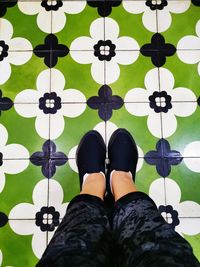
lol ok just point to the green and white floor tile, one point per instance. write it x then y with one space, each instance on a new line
70 66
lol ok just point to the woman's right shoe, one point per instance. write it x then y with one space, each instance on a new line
122 154
90 155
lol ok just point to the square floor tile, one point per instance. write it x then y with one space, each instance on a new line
167 14
71 112
145 176
33 229
185 73
186 13
140 20
36 209
144 131
167 195
20 75
79 125
22 175
56 198
67 176
93 71
185 133
113 66
157 192
19 243
78 13
40 120
194 241
69 94
193 162
187 180
23 14
78 64
188 227
188 208
27 136
43 12
170 121
10 58
132 75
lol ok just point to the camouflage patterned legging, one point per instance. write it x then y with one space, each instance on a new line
138 236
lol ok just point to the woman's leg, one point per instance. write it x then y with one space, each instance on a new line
143 238
94 185
122 184
83 239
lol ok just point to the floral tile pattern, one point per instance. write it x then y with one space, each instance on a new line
99 65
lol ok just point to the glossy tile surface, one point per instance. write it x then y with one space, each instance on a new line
102 65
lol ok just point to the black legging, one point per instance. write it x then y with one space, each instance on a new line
138 236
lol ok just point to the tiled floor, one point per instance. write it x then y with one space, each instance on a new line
70 66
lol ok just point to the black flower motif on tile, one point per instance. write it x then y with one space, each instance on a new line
104 7
53 5
104 50
105 102
3 219
6 4
173 214
158 50
153 4
1 159
3 50
51 50
160 102
198 101
196 2
48 158
5 103
47 219
163 157
50 103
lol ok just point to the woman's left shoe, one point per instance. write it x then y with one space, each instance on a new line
122 153
90 155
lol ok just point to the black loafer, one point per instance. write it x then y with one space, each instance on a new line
122 153
91 154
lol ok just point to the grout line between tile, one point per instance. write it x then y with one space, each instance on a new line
16 159
144 102
104 36
85 102
28 219
164 157
51 18
157 18
95 0
106 141
88 50
36 103
47 214
165 192
49 117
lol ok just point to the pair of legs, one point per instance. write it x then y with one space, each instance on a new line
136 235
122 184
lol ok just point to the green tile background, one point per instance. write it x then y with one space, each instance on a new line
21 130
